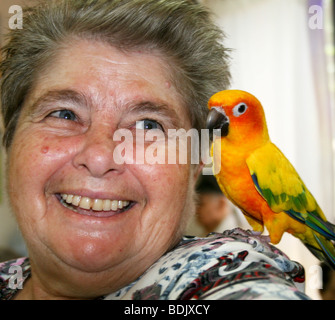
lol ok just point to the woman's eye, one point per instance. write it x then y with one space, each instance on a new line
64 114
148 124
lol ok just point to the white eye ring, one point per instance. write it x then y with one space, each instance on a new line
240 109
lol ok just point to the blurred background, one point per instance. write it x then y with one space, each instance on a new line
282 51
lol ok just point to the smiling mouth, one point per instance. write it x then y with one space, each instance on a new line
94 207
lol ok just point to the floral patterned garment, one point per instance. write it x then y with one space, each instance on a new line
235 264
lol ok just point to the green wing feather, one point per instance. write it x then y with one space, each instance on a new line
282 188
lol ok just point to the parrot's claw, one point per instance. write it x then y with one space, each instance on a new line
256 233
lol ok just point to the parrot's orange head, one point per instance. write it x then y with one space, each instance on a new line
237 115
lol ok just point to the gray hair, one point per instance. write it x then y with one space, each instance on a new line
181 30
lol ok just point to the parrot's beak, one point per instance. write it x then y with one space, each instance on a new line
217 120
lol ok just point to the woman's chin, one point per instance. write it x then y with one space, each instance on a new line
89 255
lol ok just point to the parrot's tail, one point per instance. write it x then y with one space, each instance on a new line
326 250
321 239
331 226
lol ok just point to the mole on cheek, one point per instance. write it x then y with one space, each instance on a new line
45 149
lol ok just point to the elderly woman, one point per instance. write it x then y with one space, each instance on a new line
96 227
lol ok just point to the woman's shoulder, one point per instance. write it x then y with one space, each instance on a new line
12 276
235 264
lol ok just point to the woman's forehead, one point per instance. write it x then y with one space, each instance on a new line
98 71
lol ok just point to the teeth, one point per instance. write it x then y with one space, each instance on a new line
94 204
76 200
114 205
106 205
97 205
69 198
85 203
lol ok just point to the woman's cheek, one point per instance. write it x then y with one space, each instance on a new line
33 158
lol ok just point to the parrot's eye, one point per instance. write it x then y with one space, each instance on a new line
240 109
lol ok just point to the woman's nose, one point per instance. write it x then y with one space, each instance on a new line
96 153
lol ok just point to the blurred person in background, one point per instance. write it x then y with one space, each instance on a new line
214 212
8 254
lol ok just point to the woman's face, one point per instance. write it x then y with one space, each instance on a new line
118 215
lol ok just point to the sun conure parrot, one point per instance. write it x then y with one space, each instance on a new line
257 177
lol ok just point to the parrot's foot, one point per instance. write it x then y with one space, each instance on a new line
258 234
247 233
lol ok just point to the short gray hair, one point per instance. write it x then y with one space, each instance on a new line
181 30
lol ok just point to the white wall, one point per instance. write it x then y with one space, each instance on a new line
272 58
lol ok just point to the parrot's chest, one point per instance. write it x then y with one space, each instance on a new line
234 174
235 180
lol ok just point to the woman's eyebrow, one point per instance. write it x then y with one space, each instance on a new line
53 96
